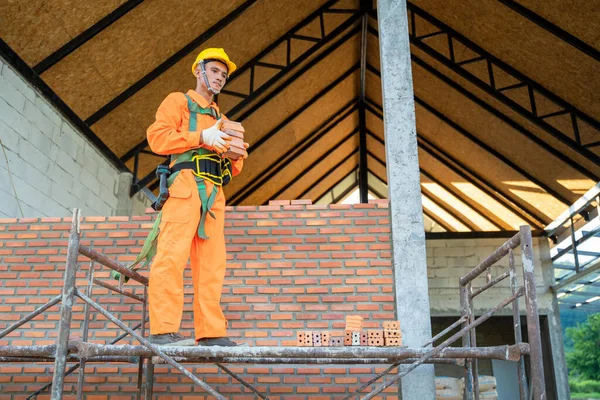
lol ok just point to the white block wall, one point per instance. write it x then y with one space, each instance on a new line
448 260
54 168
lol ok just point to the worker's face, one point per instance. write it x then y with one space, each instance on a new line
216 73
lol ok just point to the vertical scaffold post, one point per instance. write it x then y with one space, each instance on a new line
533 319
66 310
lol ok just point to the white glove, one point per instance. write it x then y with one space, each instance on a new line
216 139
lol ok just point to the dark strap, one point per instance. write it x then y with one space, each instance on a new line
206 166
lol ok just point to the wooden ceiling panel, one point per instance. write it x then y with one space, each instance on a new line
376 148
320 111
319 171
527 47
507 111
374 124
140 109
469 193
132 47
38 28
326 147
327 182
579 18
373 88
490 130
377 168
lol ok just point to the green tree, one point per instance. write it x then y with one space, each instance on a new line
584 360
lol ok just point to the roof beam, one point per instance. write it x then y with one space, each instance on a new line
456 127
305 106
438 221
329 171
375 192
462 218
345 193
85 36
307 143
296 75
558 154
499 196
553 29
311 166
168 63
532 86
438 202
363 183
446 188
457 194
496 193
330 189
519 128
16 62
254 92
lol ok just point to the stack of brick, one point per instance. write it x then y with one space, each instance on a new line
236 131
391 333
354 335
354 324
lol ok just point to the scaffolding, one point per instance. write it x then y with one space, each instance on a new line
146 355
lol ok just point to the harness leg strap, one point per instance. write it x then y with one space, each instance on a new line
207 203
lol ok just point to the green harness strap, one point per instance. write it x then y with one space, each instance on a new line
207 203
148 250
195 109
206 200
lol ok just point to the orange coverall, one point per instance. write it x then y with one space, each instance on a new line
178 239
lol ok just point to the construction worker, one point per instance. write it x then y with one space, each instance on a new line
187 128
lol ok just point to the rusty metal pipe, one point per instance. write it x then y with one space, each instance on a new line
488 285
192 353
112 264
500 252
66 310
120 291
30 316
522 377
533 319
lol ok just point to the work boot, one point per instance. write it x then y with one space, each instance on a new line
222 341
170 339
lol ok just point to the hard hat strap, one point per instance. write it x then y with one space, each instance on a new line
203 69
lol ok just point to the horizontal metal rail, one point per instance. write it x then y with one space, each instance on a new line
506 352
500 252
112 264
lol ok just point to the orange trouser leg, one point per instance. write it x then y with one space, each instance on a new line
208 261
178 228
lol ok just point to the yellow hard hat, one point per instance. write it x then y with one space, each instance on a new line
215 54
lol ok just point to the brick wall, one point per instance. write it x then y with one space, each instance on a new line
53 166
290 268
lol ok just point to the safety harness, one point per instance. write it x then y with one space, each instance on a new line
206 165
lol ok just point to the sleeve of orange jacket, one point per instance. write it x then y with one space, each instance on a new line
236 166
166 135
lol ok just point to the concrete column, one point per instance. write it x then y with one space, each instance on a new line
408 233
124 201
557 353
